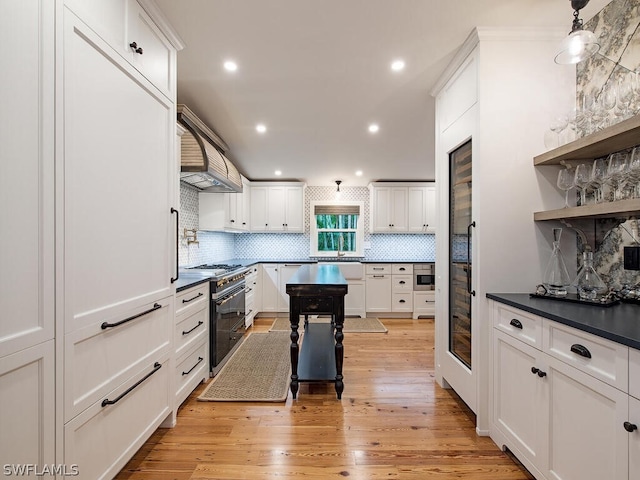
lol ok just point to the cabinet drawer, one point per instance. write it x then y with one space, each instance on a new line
378 268
603 359
402 283
190 371
316 305
402 302
101 439
98 359
424 303
634 373
190 331
402 268
521 325
192 300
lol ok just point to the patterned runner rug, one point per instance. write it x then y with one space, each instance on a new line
351 325
259 371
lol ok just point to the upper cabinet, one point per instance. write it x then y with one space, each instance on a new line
403 207
130 27
277 207
617 137
228 212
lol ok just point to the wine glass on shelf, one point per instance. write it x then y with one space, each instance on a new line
634 173
598 175
558 125
565 182
581 180
617 164
624 96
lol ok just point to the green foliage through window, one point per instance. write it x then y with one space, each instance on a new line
337 232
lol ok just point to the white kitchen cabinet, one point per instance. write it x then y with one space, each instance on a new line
27 277
225 211
634 437
285 272
115 238
27 152
274 280
521 412
252 298
378 287
277 207
191 341
424 304
402 287
27 406
270 287
403 207
389 209
561 421
422 209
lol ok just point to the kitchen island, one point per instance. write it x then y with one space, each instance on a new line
314 290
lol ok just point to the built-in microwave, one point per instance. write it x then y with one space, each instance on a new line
424 276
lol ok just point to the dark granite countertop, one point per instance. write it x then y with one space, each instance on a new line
620 323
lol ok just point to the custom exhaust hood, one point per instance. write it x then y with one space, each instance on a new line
203 164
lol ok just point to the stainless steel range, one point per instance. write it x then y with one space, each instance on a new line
227 310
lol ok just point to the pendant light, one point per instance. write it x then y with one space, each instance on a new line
580 44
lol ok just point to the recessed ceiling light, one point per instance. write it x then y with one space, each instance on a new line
230 66
358 173
261 128
278 173
397 65
373 128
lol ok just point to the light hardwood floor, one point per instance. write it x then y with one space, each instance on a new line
393 422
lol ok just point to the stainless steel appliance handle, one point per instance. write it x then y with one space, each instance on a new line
471 292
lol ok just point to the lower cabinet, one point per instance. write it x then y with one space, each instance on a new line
191 341
378 292
103 437
424 304
559 420
274 280
354 300
27 412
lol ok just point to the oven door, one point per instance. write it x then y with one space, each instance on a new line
229 313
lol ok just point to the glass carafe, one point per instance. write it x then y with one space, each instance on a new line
556 277
588 282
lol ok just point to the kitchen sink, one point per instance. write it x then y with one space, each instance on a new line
349 269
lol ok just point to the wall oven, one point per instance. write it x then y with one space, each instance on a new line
424 276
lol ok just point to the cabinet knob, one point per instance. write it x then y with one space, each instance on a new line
630 427
542 374
232 221
401 282
135 48
534 370
402 301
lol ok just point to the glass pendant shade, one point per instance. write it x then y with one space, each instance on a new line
576 47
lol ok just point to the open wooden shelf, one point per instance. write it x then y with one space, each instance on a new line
621 208
620 136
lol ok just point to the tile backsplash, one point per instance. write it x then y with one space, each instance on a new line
218 246
617 25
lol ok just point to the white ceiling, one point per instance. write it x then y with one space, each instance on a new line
316 72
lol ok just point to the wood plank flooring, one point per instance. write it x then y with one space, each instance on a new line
394 422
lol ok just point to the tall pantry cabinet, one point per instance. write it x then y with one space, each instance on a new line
112 181
27 306
500 92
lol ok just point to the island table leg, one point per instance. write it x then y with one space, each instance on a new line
294 320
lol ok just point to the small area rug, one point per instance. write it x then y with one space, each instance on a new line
259 371
351 324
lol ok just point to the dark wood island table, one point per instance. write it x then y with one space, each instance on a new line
317 289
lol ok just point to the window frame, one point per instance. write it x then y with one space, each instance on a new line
313 247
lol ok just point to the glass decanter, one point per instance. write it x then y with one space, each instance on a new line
556 277
588 282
